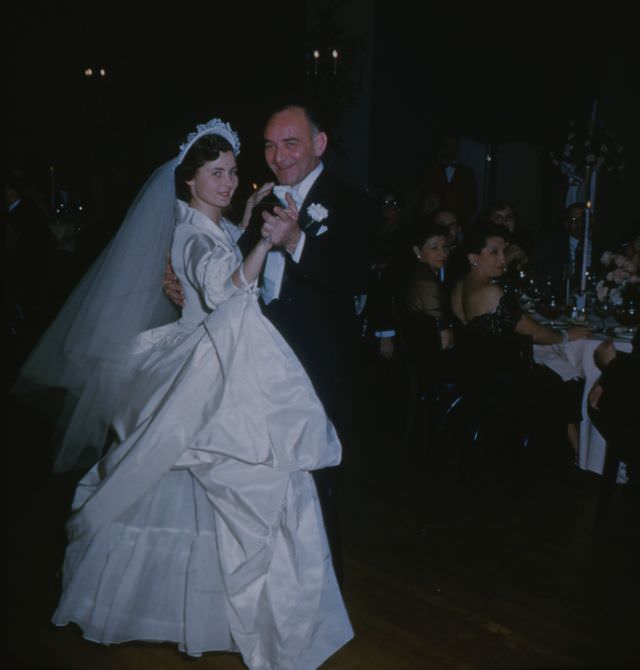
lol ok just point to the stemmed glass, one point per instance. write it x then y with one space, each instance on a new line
629 316
603 310
551 308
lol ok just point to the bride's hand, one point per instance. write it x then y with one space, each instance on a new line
259 194
171 285
255 198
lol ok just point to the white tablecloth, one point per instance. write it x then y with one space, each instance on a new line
575 359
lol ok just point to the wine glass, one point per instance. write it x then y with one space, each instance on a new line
551 308
629 316
602 309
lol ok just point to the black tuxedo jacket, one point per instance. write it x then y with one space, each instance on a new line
617 415
315 311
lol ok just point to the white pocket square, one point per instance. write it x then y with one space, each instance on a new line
322 229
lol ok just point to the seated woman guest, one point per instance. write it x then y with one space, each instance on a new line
488 323
423 310
520 245
425 293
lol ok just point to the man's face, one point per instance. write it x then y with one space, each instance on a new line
574 221
291 149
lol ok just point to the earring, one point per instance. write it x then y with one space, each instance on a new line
475 264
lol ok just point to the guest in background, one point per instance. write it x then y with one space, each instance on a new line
427 203
454 181
520 247
384 384
488 323
389 272
520 243
425 292
456 263
631 244
423 313
558 254
29 251
449 220
614 402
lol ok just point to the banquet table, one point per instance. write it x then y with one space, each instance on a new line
575 359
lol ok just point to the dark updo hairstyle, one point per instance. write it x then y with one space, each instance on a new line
207 148
425 230
475 240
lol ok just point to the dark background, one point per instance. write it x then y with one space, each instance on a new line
492 73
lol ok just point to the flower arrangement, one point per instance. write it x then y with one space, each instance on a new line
589 144
621 281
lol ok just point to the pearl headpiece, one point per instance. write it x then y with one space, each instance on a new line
212 127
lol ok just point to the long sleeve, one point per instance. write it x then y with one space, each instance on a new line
209 267
425 294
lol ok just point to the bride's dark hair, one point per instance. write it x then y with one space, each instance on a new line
207 148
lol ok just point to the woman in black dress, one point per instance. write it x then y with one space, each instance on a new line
492 334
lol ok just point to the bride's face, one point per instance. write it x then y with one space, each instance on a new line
214 183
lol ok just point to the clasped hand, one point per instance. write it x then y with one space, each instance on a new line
281 227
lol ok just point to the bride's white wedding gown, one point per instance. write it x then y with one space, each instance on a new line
201 526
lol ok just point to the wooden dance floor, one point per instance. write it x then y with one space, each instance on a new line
439 573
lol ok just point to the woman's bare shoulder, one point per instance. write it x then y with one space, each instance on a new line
482 300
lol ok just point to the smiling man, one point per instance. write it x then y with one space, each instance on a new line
310 284
309 288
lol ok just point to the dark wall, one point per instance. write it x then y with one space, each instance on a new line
519 73
167 70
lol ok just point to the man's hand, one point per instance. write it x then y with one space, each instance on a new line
594 395
281 227
171 285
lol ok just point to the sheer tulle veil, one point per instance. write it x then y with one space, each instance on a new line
84 352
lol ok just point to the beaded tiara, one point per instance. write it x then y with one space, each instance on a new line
212 127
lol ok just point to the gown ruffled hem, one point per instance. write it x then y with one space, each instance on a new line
206 531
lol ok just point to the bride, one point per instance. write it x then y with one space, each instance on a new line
201 524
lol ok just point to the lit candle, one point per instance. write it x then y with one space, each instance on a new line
334 55
585 247
53 187
316 58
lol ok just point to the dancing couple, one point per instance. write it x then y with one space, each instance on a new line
201 524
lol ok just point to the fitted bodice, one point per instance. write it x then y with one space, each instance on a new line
204 257
500 322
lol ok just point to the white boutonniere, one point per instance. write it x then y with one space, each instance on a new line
317 212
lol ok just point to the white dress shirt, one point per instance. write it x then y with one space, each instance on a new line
274 265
